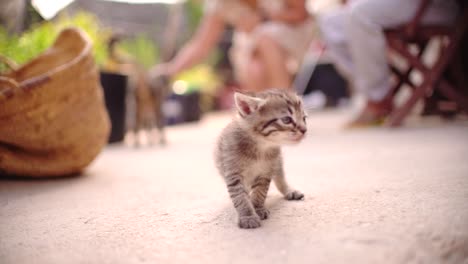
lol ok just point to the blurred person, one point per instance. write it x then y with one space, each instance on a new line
355 40
218 14
271 55
260 48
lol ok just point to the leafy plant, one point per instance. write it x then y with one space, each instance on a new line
89 23
41 36
200 77
27 46
142 49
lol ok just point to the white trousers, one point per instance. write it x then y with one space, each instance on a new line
356 42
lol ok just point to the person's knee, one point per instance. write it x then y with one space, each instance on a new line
362 8
255 67
252 68
265 42
367 13
356 12
332 26
358 19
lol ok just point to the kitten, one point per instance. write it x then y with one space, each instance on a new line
145 95
248 153
160 90
149 94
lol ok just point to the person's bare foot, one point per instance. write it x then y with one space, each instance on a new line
373 114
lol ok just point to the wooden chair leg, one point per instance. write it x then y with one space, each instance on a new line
398 115
447 90
404 77
460 79
431 77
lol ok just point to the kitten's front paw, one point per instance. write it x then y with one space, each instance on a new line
263 213
294 195
249 221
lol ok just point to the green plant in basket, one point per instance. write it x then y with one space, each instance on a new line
39 37
27 46
90 24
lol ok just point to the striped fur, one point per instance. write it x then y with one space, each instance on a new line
248 153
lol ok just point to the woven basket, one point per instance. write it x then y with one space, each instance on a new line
53 121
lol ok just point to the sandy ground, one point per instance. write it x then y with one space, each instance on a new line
372 196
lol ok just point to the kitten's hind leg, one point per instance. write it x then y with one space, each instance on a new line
258 196
162 135
248 218
286 190
161 122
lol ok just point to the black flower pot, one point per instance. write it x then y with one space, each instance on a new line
115 87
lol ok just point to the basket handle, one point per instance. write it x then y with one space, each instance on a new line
11 87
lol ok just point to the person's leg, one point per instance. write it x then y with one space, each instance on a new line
367 43
365 28
252 76
333 34
248 68
273 58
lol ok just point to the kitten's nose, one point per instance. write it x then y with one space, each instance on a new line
303 129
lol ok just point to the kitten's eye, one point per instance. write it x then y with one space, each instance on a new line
305 118
286 120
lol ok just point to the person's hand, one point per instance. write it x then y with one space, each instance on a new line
159 75
160 69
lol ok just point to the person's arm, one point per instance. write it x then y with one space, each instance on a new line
205 39
295 12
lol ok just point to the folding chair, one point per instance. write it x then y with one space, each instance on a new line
415 34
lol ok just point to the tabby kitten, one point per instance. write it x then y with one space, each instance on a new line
149 93
248 153
145 97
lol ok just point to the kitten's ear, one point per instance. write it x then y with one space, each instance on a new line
247 104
